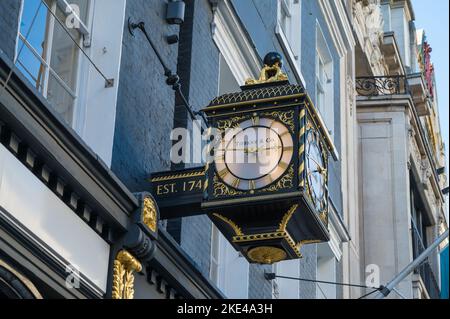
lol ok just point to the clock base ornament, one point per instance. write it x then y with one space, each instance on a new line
266 255
270 222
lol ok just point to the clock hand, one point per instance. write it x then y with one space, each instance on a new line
269 148
320 166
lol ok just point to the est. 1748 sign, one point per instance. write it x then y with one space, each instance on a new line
179 192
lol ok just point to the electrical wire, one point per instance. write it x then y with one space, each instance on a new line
375 289
370 293
327 282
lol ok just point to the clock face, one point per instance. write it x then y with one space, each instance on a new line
316 170
254 154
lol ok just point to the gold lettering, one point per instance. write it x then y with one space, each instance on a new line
165 189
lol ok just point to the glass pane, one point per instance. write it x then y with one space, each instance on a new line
31 67
322 75
34 24
64 54
60 99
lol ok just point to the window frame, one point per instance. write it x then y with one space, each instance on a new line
326 104
292 49
214 269
45 59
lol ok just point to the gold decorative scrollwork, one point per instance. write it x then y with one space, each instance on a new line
237 230
125 265
229 123
267 255
287 118
324 217
220 189
149 214
287 181
178 176
287 217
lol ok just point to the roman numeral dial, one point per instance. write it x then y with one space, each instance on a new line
256 155
316 169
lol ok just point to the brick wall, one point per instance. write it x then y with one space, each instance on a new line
258 286
9 18
145 105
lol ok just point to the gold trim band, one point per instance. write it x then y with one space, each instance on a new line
177 176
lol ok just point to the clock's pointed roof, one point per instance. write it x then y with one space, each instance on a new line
251 93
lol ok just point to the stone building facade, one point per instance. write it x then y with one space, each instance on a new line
86 124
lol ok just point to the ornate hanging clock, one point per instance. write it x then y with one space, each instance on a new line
267 187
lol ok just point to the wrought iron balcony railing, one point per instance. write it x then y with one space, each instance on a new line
381 85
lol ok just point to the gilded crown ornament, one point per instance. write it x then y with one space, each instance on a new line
271 72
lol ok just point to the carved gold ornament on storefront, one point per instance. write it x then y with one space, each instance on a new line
149 214
125 265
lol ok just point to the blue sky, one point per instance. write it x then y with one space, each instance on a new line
433 16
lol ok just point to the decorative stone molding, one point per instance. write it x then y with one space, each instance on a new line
214 4
411 132
351 94
125 265
374 22
368 24
237 50
16 283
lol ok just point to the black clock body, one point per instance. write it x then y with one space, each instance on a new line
268 213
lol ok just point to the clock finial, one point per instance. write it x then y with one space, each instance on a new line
271 72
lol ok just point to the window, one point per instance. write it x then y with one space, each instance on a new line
47 55
324 80
420 224
321 82
286 17
229 269
289 12
215 253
